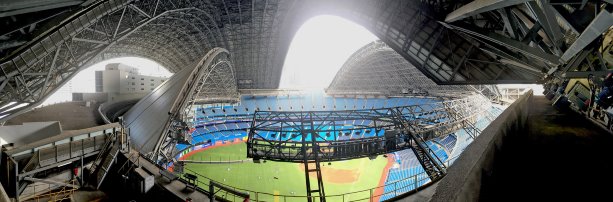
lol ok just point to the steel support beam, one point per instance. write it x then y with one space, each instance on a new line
509 25
480 6
19 7
584 74
547 19
510 43
602 22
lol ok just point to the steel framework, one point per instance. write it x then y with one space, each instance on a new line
213 77
175 33
378 69
162 119
537 35
304 136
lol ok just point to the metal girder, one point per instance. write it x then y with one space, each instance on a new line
160 119
73 51
509 43
429 121
585 74
21 7
546 17
509 24
258 34
599 25
480 6
378 69
534 36
301 136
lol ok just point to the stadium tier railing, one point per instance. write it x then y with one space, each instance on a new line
399 188
404 186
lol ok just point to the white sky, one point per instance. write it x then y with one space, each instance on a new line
84 81
319 49
537 89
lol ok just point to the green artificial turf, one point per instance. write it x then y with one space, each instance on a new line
281 178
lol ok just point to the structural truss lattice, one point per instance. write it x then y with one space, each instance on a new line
451 42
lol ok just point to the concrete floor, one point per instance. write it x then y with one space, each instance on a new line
560 157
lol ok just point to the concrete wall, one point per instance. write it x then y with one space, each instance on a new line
28 132
71 115
110 81
90 97
117 97
463 179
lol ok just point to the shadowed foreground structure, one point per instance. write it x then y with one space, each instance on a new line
561 156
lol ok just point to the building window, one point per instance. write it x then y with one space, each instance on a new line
151 79
142 79
132 77
142 84
151 88
142 89
152 84
99 85
162 80
133 83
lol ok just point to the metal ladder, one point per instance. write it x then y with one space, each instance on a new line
106 166
103 161
319 191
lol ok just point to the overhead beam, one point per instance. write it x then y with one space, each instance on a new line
18 7
583 4
602 22
566 25
90 41
546 17
585 74
480 6
509 43
508 24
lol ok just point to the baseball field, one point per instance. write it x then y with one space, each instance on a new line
281 181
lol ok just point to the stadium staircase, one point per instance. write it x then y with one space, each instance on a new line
32 163
428 160
104 161
431 164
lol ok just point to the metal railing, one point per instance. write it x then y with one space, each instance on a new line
387 191
50 192
390 190
65 152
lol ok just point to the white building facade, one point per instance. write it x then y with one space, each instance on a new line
123 82
119 78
